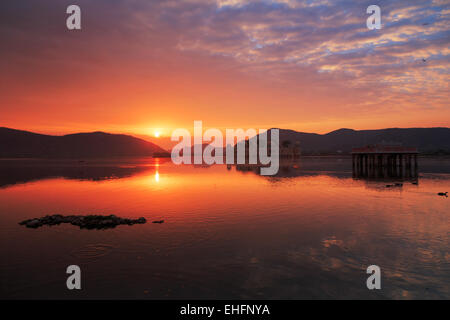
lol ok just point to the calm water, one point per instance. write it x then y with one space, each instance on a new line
309 233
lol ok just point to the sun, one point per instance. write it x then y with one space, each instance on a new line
157 134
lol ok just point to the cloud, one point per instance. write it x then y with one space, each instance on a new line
305 48
329 37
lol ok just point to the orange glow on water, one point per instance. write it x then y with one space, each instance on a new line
309 222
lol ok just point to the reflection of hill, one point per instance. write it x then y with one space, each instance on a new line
14 172
290 168
287 169
342 167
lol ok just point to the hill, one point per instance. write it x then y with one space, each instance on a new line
24 144
427 140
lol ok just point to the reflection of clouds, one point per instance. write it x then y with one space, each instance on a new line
332 241
332 256
412 262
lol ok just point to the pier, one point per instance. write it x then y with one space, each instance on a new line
385 161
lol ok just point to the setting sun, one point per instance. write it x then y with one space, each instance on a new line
157 133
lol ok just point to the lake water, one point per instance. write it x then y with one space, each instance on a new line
309 232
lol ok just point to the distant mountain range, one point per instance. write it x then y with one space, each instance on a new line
24 144
427 140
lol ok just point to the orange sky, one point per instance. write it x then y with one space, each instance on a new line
139 66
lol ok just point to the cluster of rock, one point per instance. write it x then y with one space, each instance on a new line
84 222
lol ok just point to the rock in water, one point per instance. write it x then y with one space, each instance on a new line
84 222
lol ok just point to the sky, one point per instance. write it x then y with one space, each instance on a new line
140 66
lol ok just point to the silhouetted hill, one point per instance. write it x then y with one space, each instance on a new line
24 144
427 140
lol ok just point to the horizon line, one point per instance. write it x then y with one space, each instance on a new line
168 136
